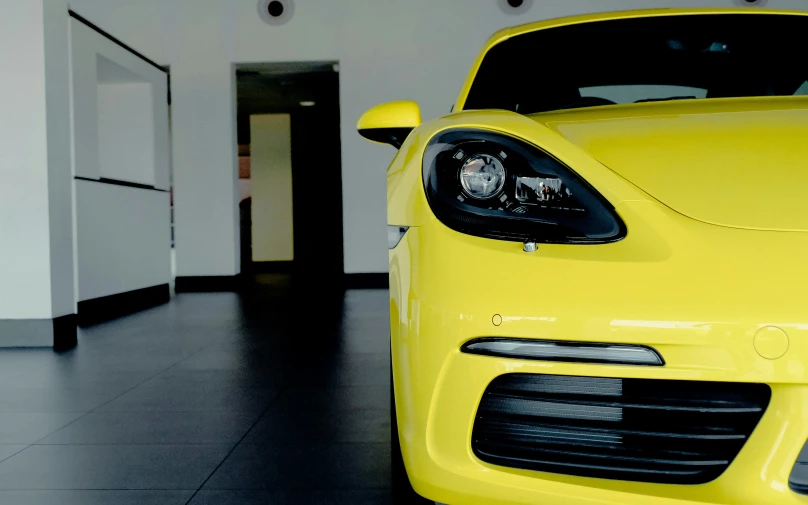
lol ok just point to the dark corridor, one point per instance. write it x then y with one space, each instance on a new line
316 161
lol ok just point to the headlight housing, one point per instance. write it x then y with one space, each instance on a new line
492 185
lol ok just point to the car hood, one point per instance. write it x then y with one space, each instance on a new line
733 162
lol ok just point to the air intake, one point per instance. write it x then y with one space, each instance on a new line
662 431
798 481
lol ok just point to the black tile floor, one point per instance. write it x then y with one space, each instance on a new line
279 395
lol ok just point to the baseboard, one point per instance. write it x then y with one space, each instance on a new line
110 307
65 334
207 283
59 333
367 281
272 267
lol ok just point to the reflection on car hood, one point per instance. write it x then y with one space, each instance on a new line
732 162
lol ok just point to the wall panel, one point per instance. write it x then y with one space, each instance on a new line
123 238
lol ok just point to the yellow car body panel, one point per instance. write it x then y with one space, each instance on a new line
390 114
694 283
705 158
703 324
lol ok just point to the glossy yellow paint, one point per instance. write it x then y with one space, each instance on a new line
398 114
771 342
678 285
705 295
722 161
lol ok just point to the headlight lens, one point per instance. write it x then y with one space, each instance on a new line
482 176
492 185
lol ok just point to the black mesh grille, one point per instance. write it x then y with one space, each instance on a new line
665 431
798 481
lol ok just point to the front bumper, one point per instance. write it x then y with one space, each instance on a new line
699 309
442 466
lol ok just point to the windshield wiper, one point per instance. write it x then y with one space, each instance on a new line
666 99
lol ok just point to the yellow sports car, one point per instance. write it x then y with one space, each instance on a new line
599 265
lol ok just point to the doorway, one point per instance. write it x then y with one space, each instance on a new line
290 176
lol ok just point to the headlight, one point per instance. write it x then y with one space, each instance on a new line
492 185
482 176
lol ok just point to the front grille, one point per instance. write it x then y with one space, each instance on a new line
798 480
663 431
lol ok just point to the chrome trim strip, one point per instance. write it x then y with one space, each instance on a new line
560 350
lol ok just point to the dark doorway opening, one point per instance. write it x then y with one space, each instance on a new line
308 92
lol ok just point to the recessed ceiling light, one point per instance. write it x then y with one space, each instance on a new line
307 103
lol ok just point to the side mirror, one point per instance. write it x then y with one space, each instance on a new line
390 123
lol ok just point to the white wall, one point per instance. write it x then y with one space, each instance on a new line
60 204
387 49
126 123
271 175
120 112
36 273
206 192
120 131
123 239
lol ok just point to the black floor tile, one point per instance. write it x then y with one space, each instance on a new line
26 360
304 466
33 400
149 407
115 359
111 466
156 397
155 428
334 398
63 497
6 451
29 428
354 425
230 359
291 498
69 378
355 369
208 380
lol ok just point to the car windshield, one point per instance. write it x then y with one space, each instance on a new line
681 57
